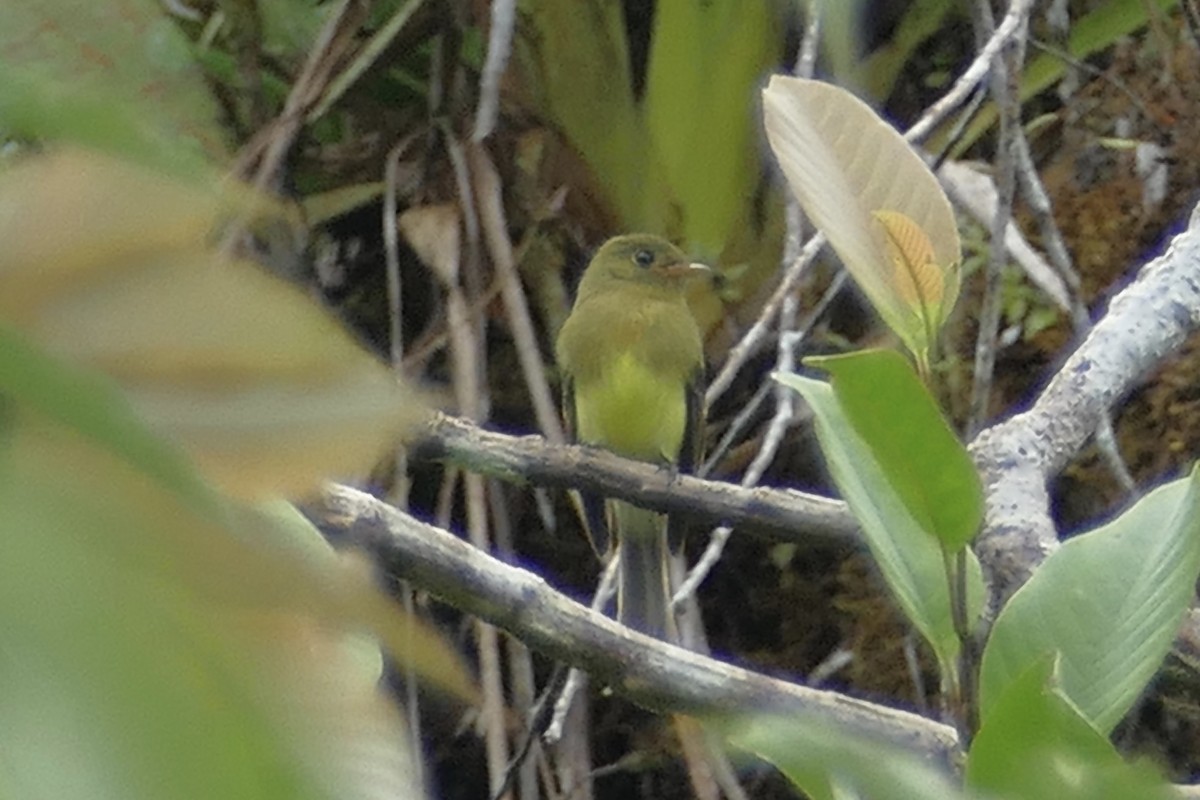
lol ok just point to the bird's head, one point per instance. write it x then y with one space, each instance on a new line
641 258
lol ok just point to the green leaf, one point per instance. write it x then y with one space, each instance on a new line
705 61
68 59
1035 745
1109 601
910 560
878 72
575 60
927 466
1100 28
826 762
155 644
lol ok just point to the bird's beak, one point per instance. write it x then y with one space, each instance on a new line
693 270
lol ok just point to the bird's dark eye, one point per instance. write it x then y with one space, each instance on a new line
643 258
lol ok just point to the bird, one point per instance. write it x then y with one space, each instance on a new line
631 358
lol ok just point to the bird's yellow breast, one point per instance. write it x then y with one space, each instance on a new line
632 410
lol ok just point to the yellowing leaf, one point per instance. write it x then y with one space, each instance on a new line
917 276
844 164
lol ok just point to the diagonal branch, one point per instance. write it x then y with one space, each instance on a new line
1145 323
649 672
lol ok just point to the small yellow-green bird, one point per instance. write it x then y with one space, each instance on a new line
632 363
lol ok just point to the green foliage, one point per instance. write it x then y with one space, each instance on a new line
1034 745
1096 30
680 161
160 638
909 557
66 61
878 72
705 59
1109 602
147 622
920 455
830 763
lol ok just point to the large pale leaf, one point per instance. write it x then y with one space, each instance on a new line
845 166
1109 602
921 457
1035 745
161 642
109 264
829 763
910 560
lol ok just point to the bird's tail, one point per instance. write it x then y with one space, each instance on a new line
643 595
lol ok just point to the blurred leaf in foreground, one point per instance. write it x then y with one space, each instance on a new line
160 642
128 53
109 264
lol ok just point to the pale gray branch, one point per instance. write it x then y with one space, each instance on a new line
783 514
1145 323
647 671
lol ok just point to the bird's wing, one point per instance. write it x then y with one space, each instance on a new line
590 505
691 450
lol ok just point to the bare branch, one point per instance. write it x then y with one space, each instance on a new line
784 514
1145 323
649 672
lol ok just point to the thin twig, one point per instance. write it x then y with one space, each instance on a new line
520 665
1005 89
1039 202
1012 25
504 18
467 343
400 489
367 56
747 412
562 705
752 340
520 323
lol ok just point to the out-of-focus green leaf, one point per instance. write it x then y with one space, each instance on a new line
289 27
1101 27
258 561
1034 745
910 560
877 73
159 642
1109 602
261 386
35 107
868 191
130 53
829 763
922 459
705 61
576 62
